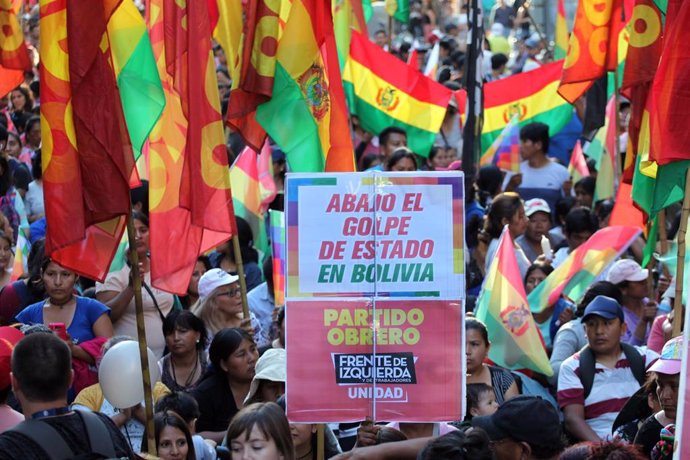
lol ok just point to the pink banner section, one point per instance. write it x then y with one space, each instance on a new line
391 360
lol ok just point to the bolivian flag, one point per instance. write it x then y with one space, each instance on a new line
384 91
530 95
502 306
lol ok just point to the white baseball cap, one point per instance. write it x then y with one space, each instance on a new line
536 205
213 279
626 270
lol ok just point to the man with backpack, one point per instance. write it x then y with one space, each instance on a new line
595 383
41 376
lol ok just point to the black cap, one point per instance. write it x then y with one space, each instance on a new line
524 418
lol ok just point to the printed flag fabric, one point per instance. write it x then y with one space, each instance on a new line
561 49
578 164
20 265
384 91
602 149
505 151
532 95
189 189
14 55
593 46
582 267
250 196
399 9
624 211
307 116
516 343
87 157
277 220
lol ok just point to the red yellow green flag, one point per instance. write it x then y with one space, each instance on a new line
532 95
189 190
516 343
260 38
347 15
384 91
593 46
582 267
87 158
306 115
505 151
561 48
253 190
14 56
578 165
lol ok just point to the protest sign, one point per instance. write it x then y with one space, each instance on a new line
375 282
375 234
412 373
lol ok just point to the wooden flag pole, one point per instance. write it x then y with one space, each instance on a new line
678 301
240 273
320 442
141 336
390 33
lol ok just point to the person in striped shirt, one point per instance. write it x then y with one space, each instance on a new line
589 417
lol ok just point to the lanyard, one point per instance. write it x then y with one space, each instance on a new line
50 413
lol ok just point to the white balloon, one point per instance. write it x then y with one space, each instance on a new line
120 374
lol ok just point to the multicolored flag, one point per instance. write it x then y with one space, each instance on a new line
505 151
21 255
307 116
277 222
578 164
14 55
399 9
263 23
87 157
190 203
502 305
561 49
532 95
603 150
383 91
593 46
347 15
582 267
432 63
250 197
135 69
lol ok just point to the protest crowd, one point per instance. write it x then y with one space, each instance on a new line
552 203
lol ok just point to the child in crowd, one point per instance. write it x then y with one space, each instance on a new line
481 400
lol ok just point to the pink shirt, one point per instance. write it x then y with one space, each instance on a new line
9 417
656 340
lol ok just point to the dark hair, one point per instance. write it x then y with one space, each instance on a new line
267 270
31 122
367 160
35 280
185 319
474 392
604 450
546 269
246 237
6 179
435 150
141 195
489 180
498 60
42 364
563 207
141 217
183 404
3 131
504 206
476 325
458 445
36 169
271 421
599 288
587 184
281 315
225 343
580 219
386 133
205 261
387 434
160 421
398 155
536 132
29 100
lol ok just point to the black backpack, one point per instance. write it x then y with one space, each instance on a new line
57 448
588 363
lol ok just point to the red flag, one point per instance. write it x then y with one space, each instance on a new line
624 211
255 86
87 158
593 46
191 207
671 91
14 56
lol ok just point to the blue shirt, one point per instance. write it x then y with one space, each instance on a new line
262 304
80 329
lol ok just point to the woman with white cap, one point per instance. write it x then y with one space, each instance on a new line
220 306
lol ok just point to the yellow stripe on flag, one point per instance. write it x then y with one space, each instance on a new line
496 118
